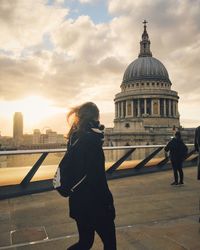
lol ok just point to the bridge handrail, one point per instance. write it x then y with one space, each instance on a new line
27 186
62 150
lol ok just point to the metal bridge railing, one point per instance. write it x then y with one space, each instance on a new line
28 187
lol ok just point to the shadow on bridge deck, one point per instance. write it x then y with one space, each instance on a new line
151 214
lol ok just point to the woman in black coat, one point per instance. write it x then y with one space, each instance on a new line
91 205
178 151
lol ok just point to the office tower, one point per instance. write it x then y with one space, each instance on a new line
17 125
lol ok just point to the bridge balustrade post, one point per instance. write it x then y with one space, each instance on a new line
120 161
33 170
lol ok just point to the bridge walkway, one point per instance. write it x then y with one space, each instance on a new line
151 215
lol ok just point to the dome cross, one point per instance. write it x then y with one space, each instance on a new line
145 22
145 43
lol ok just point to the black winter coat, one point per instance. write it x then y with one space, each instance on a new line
197 138
93 198
178 150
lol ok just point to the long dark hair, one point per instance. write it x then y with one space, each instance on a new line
82 115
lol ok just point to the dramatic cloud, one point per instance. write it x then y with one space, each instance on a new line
23 23
174 30
43 52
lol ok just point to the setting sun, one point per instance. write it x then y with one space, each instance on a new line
35 109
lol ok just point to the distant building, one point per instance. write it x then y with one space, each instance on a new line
51 135
18 127
30 141
36 136
27 139
38 140
6 142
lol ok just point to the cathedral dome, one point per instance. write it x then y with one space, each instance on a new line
146 68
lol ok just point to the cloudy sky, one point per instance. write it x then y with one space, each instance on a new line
55 54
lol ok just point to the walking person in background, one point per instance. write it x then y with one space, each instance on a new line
91 206
178 151
197 147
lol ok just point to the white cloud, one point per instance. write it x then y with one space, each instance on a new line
174 30
88 1
83 39
58 1
88 60
23 23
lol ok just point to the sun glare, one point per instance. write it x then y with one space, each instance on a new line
34 109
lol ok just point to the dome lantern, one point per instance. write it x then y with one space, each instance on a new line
145 43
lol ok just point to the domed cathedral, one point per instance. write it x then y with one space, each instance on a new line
146 109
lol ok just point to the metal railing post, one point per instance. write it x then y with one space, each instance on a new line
163 162
148 158
190 153
33 170
120 161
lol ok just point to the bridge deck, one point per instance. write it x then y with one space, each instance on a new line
151 214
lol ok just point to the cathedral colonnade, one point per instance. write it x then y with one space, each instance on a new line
146 107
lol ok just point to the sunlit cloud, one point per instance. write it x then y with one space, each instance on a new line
45 53
24 23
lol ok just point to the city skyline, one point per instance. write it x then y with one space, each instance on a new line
18 127
57 54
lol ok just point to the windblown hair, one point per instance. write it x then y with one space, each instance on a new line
82 115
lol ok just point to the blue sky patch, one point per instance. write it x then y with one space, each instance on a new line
98 11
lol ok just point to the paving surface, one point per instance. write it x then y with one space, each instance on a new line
151 214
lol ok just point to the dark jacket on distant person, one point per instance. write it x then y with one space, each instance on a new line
197 139
93 198
178 150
